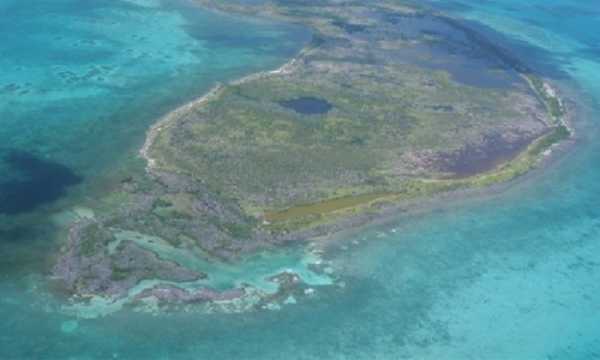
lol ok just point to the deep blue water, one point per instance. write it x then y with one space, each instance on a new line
37 181
511 275
81 81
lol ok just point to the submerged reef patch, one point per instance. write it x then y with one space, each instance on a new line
37 181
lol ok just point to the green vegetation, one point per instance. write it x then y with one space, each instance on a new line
239 231
551 101
323 207
95 238
557 135
390 122
119 274
265 156
394 131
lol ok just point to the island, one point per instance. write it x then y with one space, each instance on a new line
388 104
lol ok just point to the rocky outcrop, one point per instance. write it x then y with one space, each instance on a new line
88 265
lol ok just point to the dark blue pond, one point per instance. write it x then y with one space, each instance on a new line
307 105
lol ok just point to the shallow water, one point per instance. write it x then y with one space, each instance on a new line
82 81
448 45
515 275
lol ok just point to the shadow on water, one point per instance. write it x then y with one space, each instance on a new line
513 52
518 54
472 53
32 182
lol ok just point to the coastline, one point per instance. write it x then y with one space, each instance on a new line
166 121
402 211
176 114
545 90
378 210
504 270
390 213
388 209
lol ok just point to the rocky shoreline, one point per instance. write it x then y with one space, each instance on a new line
163 123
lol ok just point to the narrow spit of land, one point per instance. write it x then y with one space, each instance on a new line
387 104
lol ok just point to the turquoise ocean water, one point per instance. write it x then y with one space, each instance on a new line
82 81
512 275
